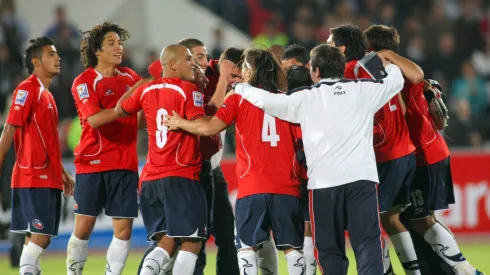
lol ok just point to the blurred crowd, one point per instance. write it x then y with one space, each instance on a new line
450 39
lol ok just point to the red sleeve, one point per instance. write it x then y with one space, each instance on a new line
21 107
136 77
85 97
194 104
362 74
229 111
132 104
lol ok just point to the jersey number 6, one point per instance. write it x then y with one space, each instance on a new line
161 133
269 133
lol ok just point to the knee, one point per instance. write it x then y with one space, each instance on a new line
41 240
191 245
391 223
123 230
84 226
422 225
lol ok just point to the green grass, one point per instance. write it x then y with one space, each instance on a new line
54 264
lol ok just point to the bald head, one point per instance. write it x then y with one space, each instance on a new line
177 61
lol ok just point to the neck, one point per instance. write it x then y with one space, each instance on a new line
106 70
167 73
45 79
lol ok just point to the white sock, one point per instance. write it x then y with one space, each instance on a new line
155 261
76 255
30 258
184 263
388 269
117 255
445 246
406 252
247 262
309 253
296 263
267 258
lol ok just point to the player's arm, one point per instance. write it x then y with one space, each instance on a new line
203 126
410 70
141 120
129 100
68 182
285 107
381 91
402 103
6 141
218 97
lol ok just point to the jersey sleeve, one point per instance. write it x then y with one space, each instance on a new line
86 97
381 91
229 111
136 77
132 104
22 104
194 104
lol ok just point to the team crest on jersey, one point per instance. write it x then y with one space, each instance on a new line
75 205
82 91
108 93
21 97
37 224
198 99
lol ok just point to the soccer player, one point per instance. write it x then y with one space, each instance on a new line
392 146
336 118
198 51
264 200
295 55
277 51
432 184
106 161
173 202
38 178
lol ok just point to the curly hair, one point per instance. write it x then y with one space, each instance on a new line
266 72
92 42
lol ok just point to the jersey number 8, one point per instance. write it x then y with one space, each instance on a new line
269 133
161 133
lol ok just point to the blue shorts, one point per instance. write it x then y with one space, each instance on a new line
256 215
116 191
395 178
432 189
36 210
304 201
175 206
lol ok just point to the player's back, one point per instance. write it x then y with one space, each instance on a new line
430 145
390 135
171 153
265 152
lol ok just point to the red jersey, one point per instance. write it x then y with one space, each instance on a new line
36 142
209 145
265 152
431 146
170 153
111 146
391 138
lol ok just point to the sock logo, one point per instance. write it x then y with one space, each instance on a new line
300 265
265 271
37 224
455 258
74 269
108 269
247 264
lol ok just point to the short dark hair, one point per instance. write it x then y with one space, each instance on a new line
93 39
234 55
190 43
34 50
266 72
297 52
298 76
329 60
352 38
381 37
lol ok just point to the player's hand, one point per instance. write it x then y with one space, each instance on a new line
385 57
68 184
172 122
226 67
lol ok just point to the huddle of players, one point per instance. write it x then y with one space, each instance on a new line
114 101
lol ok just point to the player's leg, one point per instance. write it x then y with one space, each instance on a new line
252 230
364 226
431 197
394 195
89 200
267 258
121 204
328 220
308 249
287 220
186 211
206 179
36 211
154 217
224 227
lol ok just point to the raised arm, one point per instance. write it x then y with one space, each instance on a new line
282 106
381 91
410 70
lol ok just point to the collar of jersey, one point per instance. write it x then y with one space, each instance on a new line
329 79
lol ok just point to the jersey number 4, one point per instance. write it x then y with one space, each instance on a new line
161 133
269 133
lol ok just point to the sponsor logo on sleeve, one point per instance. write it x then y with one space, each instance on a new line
21 97
198 99
82 91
